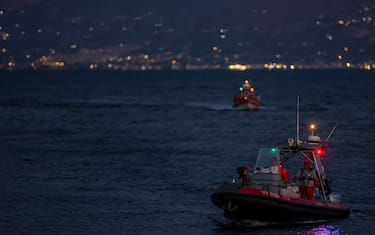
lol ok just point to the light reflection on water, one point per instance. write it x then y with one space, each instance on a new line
301 228
324 229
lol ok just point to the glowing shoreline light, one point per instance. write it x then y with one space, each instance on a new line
238 67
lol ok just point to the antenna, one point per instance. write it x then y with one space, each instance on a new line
329 136
297 127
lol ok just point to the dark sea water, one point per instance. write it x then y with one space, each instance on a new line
140 153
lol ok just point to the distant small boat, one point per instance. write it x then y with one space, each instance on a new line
246 99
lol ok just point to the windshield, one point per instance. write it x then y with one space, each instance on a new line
265 156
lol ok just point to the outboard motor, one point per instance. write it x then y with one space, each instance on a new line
334 197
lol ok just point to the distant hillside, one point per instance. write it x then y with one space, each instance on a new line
251 30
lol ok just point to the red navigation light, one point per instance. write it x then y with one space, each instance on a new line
319 151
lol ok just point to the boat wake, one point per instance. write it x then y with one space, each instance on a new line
222 107
211 106
256 224
267 107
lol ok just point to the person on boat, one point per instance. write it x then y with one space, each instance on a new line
243 176
309 180
279 169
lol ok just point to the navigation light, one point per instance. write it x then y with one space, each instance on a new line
319 151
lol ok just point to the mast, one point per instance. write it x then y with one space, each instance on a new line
297 124
329 136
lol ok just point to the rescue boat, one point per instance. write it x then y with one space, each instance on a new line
246 99
263 194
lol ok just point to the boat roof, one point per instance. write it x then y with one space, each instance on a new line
285 153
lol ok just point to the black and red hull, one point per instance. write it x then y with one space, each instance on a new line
246 102
241 203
